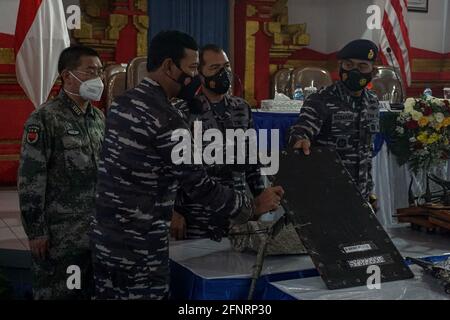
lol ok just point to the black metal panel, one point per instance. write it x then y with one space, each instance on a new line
337 226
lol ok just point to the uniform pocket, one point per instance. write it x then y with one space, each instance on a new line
77 154
72 142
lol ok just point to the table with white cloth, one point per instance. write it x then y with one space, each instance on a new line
208 270
433 248
421 287
205 270
391 180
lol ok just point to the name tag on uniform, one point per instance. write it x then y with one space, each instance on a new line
373 116
73 132
347 116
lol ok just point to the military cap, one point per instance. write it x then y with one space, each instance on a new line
360 49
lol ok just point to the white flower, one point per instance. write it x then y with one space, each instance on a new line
412 139
438 102
400 130
409 105
416 115
439 117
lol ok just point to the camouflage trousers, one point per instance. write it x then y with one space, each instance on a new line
50 276
129 283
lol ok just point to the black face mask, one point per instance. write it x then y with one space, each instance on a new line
187 92
219 83
354 79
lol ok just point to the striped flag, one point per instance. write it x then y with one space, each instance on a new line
395 35
40 36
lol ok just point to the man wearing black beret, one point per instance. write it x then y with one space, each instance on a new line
345 115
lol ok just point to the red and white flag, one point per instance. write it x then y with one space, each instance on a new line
395 35
40 34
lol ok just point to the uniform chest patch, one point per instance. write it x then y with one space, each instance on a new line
373 112
346 116
33 134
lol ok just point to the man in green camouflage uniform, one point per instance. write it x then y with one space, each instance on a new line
57 178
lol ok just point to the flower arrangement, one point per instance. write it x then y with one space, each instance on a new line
420 134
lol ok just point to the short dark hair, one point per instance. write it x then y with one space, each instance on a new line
209 47
169 44
70 57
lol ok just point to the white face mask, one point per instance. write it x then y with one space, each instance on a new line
91 90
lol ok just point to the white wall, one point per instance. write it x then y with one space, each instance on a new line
315 15
427 29
332 24
8 16
9 10
347 21
447 28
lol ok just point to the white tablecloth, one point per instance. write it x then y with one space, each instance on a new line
213 260
421 287
392 183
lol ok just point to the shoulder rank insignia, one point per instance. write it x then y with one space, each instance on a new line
33 134
371 54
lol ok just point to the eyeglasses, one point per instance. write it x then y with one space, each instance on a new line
93 73
363 67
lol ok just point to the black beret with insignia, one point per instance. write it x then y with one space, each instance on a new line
360 49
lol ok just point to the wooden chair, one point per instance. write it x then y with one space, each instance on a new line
281 82
115 82
136 71
388 86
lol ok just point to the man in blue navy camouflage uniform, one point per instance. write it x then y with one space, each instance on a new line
345 115
138 181
216 109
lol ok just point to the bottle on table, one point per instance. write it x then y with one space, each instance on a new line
298 94
428 93
309 91
447 93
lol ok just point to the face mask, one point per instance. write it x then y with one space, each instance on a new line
220 82
91 90
354 79
187 92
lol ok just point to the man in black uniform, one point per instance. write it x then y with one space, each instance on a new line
216 109
138 180
345 115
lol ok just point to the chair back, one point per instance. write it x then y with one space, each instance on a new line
136 71
281 82
115 82
310 76
388 86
